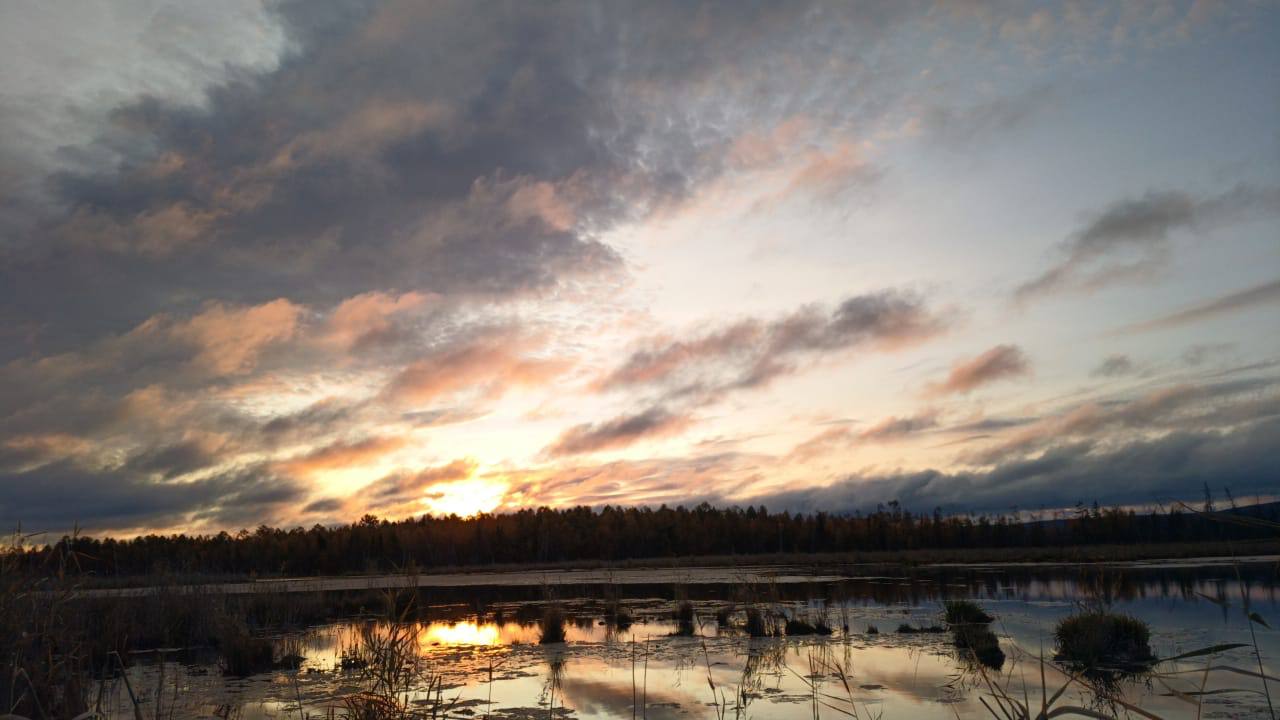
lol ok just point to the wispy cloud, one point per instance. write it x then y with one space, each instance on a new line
1249 298
752 353
1132 237
619 432
1001 362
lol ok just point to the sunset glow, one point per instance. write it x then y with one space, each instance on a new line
465 497
282 264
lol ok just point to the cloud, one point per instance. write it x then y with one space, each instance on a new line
896 428
1131 237
833 438
1156 470
751 353
619 432
1246 299
401 487
999 363
1178 407
369 318
890 429
1117 365
324 163
59 496
228 340
1199 353
488 361
338 455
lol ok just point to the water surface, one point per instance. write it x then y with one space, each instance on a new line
480 655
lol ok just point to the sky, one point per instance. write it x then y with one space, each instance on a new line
295 262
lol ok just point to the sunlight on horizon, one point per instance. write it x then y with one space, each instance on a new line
465 498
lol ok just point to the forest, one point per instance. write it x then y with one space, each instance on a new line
611 534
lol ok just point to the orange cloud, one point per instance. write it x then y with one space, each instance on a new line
367 316
343 455
491 363
998 363
229 339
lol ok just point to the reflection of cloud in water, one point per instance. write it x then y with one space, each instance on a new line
612 699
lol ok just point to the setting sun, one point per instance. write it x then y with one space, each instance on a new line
465 497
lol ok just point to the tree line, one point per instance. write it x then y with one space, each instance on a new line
545 535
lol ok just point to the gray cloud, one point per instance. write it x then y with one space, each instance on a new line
1264 294
1117 365
398 148
1142 471
619 432
895 428
752 352
1131 237
59 496
1186 407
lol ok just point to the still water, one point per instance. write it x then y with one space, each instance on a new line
477 653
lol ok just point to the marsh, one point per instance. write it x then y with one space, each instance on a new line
478 653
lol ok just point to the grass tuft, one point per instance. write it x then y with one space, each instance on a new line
551 625
1098 638
965 612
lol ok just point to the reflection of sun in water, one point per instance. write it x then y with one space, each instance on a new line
467 633
465 497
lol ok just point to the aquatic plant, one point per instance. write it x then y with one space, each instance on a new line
242 654
965 612
1096 638
909 629
685 621
618 616
873 630
551 624
756 626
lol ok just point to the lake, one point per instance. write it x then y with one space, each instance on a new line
476 651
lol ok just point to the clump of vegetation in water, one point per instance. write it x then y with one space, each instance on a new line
551 624
909 629
244 654
816 624
685 624
873 630
618 616
965 612
1099 638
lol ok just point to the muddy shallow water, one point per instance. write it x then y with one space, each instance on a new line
480 654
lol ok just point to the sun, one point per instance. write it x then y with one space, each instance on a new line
465 497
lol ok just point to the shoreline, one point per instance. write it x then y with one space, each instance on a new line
802 568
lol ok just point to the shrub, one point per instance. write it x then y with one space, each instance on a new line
873 630
965 612
1095 638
